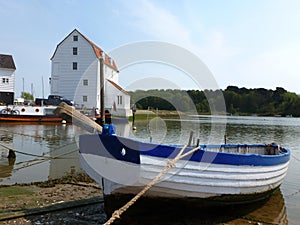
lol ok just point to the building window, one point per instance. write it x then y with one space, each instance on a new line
120 100
75 51
5 80
74 65
75 38
85 82
84 98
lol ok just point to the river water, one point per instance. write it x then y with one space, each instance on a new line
49 151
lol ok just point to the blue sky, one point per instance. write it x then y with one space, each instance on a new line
250 43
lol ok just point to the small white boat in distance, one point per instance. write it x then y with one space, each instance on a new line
27 113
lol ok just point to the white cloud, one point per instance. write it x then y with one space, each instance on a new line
163 25
159 23
235 55
216 49
210 45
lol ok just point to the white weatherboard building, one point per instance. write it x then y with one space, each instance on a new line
79 71
7 79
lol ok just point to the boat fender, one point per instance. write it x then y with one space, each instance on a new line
108 129
105 129
112 129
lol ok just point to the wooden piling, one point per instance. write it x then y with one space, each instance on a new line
11 154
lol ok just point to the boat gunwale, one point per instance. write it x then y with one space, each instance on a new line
218 157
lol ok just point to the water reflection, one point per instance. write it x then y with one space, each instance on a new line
238 130
284 131
270 211
6 164
51 140
44 151
6 167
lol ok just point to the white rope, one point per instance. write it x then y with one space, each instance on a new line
170 164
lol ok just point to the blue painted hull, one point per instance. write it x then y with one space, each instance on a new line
112 146
224 172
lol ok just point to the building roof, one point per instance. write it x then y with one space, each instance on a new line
118 87
7 62
100 54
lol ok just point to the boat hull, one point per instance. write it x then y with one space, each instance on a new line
124 166
29 118
22 113
40 114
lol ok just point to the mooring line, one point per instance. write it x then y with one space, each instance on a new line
293 194
22 134
28 135
169 165
41 161
295 157
40 156
60 147
44 160
23 153
31 154
27 161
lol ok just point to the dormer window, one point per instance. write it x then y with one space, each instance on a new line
75 38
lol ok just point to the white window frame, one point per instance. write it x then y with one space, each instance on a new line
85 82
120 99
75 66
75 51
5 80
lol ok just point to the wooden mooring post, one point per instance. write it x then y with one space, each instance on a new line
11 154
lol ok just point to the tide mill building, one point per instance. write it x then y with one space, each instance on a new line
80 71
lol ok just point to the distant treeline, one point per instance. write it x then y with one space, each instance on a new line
241 101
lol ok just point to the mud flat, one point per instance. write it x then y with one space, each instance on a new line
78 200
62 201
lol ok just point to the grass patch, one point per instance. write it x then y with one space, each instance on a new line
143 117
15 190
162 113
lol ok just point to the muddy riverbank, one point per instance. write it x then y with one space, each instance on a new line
71 199
78 200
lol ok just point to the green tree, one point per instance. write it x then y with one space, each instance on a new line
259 101
27 96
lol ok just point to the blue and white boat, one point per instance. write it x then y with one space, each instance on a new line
227 173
